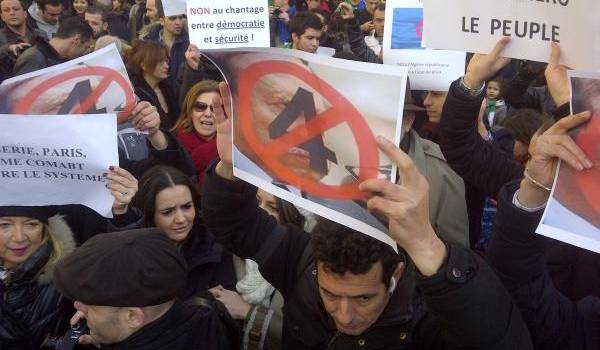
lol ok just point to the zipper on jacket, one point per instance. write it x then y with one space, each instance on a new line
333 339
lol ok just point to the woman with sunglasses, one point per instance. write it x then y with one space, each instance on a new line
196 128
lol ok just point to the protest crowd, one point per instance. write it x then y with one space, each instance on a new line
195 258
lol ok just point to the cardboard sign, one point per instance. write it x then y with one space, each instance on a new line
174 7
93 84
305 128
476 26
403 45
573 211
56 160
217 24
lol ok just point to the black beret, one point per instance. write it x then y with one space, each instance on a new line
123 269
40 213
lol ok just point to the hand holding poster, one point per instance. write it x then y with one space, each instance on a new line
305 127
476 25
573 211
52 160
403 45
218 24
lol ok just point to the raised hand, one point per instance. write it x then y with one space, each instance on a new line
557 78
223 117
483 67
406 205
123 186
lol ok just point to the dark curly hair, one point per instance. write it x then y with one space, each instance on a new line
341 249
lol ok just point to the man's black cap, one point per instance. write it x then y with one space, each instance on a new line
123 269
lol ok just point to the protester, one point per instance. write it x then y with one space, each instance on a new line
94 16
32 241
255 301
172 32
148 64
169 201
126 286
121 6
555 322
73 39
279 19
196 128
365 17
80 6
306 30
360 288
16 35
497 110
45 15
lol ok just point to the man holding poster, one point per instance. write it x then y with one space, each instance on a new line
363 296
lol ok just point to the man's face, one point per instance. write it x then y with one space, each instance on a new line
151 11
354 302
95 21
12 13
434 104
50 14
379 22
313 4
371 4
106 323
309 41
173 24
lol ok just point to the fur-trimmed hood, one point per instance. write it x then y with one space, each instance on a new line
60 232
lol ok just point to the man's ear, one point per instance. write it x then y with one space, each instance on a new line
396 276
294 37
162 21
104 27
76 39
134 317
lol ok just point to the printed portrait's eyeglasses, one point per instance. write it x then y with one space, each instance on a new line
201 107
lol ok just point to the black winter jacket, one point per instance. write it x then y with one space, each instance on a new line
463 306
30 306
183 327
555 322
41 55
146 93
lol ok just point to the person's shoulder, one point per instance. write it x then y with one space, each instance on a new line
431 149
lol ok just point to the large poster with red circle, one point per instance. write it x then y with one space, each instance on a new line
305 128
573 212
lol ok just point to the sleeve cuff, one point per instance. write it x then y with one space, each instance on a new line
516 203
456 271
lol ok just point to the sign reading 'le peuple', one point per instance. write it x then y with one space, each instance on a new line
476 25
216 24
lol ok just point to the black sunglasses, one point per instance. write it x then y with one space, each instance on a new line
201 107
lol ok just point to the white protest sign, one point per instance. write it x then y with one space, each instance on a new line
218 24
55 160
476 25
403 42
573 211
174 7
304 132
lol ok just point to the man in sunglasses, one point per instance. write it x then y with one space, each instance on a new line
171 31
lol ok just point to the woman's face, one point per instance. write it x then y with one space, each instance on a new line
116 5
203 116
80 6
19 238
267 202
161 71
175 212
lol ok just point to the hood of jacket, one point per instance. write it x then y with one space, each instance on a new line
34 12
40 266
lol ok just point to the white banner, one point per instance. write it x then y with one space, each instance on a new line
476 25
218 24
55 160
174 7
403 46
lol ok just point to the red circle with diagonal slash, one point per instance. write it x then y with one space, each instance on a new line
108 76
342 111
419 29
589 180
